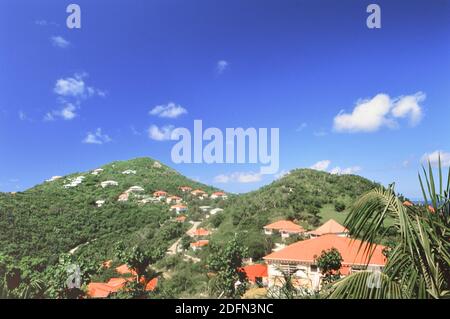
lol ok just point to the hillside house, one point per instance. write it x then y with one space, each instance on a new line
257 274
220 195
157 165
161 195
199 232
299 260
215 211
129 172
97 171
330 227
205 209
123 197
199 194
109 183
284 227
181 219
53 178
179 208
199 244
185 189
74 182
100 203
173 199
135 189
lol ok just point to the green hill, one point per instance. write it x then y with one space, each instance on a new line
306 196
50 219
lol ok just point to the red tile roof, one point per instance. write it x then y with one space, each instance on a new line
255 271
200 232
307 251
219 193
180 219
200 243
178 206
124 269
330 227
286 226
160 193
408 203
151 285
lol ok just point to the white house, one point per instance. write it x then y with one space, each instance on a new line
179 208
220 195
109 183
215 211
157 165
174 199
53 178
205 208
97 171
129 172
124 197
135 189
74 182
100 203
300 260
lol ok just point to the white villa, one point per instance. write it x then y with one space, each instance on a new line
74 182
299 260
205 208
179 208
129 172
284 227
109 183
215 211
53 178
221 195
124 197
100 202
174 199
97 171
135 189
157 165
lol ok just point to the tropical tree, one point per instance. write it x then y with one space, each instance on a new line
226 262
329 262
418 265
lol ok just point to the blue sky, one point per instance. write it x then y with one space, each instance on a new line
352 99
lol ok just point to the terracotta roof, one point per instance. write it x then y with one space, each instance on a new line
173 197
160 193
330 227
151 285
200 243
408 203
98 290
198 191
285 225
255 271
200 232
124 269
219 193
180 219
307 251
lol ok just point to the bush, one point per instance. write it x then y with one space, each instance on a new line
339 206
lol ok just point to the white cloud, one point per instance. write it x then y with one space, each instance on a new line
325 164
170 110
238 177
67 112
23 116
433 158
71 91
97 137
408 106
370 115
344 171
221 66
71 86
60 42
160 134
321 165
